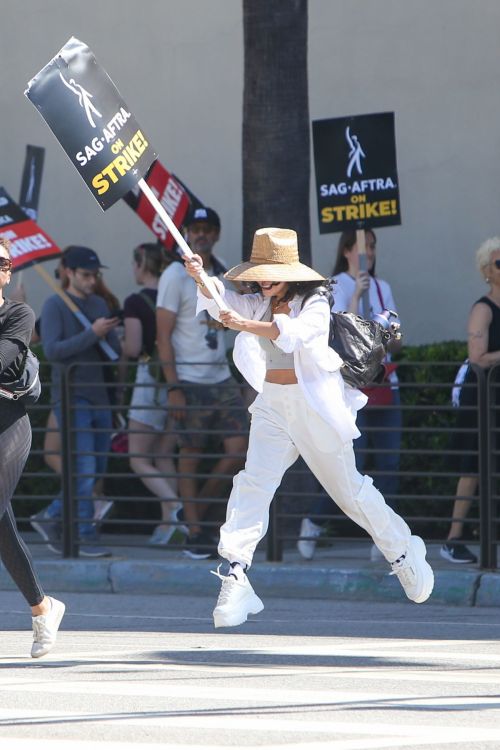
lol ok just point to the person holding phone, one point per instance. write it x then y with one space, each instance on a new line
66 343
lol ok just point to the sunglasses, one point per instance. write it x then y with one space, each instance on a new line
5 264
496 263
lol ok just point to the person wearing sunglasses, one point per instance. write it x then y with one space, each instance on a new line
303 407
203 397
483 346
16 324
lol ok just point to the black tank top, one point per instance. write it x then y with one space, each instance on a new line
468 396
494 329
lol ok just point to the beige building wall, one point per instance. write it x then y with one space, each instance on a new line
179 67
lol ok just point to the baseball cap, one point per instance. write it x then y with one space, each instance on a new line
76 256
202 213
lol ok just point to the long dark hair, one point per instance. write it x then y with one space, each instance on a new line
347 240
302 288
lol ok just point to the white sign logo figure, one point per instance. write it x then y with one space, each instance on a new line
31 184
355 153
84 99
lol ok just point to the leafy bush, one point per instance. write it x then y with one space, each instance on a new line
426 375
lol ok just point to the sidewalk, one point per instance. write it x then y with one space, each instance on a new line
340 571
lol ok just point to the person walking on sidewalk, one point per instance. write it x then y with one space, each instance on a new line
65 342
203 397
151 441
303 407
16 325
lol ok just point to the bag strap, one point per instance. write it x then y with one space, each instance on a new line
147 299
149 302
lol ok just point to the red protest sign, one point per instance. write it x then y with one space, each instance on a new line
29 243
172 195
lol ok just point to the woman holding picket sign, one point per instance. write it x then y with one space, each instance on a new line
16 326
303 408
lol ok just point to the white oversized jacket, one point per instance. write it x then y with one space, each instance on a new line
305 333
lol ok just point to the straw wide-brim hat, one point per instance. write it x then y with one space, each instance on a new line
275 257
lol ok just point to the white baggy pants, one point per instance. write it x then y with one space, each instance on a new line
284 426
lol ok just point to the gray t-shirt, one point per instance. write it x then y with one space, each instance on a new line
196 361
64 342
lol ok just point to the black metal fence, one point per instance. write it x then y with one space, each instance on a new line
424 471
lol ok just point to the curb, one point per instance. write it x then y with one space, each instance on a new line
457 588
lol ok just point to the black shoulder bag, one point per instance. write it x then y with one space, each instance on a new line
27 387
362 344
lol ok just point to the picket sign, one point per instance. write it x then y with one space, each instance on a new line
361 244
30 187
87 114
184 247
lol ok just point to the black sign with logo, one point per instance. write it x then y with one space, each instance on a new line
32 180
86 113
356 172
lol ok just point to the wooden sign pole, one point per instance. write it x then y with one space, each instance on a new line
361 244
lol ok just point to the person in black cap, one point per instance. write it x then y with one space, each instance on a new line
202 394
66 343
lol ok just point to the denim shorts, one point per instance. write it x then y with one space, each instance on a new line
149 400
213 412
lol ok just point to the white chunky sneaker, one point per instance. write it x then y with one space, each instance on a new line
414 572
236 601
309 533
45 629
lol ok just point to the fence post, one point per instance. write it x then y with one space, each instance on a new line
487 436
69 544
484 483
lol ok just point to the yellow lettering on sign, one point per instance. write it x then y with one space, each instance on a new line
358 210
121 164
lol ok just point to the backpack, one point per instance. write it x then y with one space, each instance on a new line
27 387
362 344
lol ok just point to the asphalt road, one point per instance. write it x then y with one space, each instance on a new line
150 672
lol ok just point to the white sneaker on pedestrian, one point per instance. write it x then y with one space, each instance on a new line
236 601
309 533
414 572
45 629
165 531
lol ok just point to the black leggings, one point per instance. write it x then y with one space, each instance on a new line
15 444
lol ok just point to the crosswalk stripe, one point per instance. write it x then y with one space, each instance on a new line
230 695
431 733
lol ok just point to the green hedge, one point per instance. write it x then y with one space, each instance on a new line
426 374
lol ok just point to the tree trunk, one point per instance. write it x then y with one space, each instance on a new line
276 148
